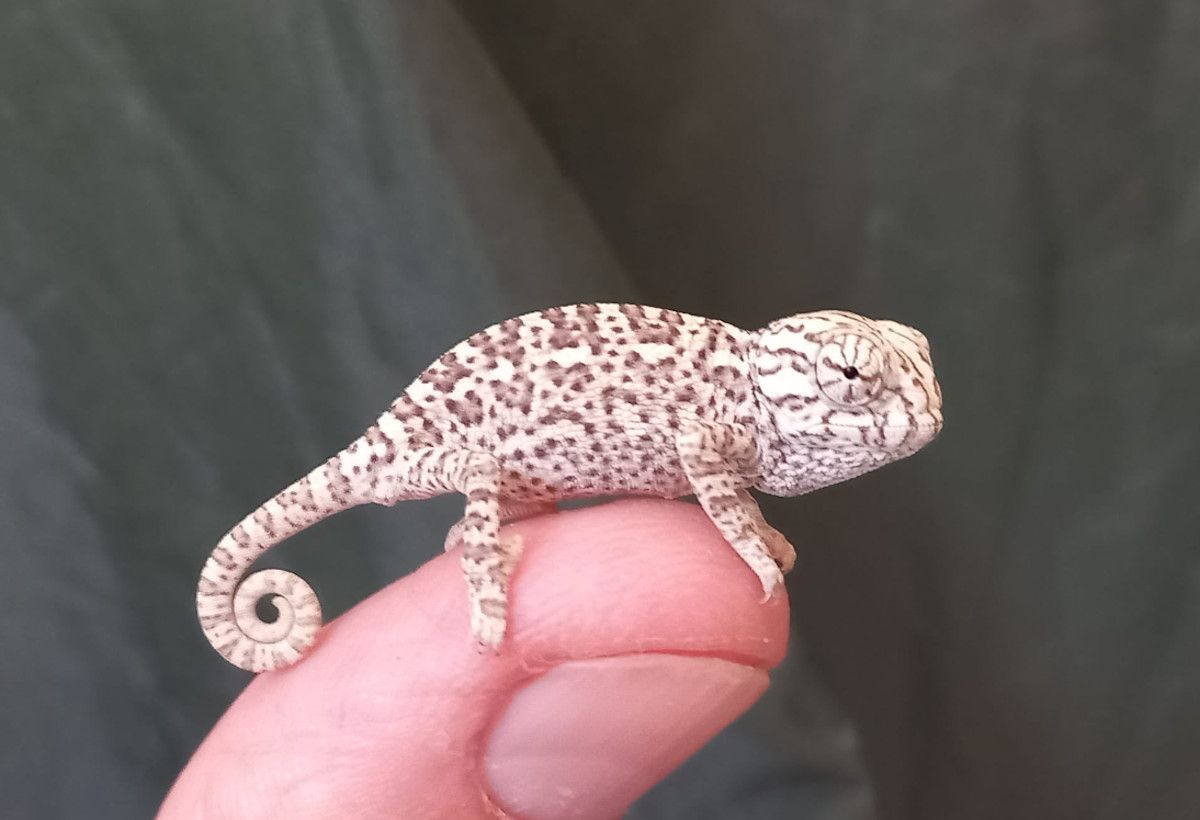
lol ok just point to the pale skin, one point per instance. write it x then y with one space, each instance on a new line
393 715
595 400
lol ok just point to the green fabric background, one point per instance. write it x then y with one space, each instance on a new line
231 232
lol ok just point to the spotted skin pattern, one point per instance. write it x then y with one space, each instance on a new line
594 400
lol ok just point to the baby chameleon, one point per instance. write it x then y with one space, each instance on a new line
594 400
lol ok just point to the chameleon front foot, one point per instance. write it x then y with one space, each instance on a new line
771 579
778 548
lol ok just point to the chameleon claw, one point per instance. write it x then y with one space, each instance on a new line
773 586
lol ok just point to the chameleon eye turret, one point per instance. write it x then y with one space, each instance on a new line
593 400
850 368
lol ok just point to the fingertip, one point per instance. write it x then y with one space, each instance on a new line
653 636
640 575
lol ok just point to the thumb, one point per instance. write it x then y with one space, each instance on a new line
635 635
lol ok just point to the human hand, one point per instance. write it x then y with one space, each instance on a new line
635 635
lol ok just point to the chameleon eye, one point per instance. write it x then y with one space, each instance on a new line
850 369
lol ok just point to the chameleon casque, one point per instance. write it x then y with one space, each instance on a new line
594 400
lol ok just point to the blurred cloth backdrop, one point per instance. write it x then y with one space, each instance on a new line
230 233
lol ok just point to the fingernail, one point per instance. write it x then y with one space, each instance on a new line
588 738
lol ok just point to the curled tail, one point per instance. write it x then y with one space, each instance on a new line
227 600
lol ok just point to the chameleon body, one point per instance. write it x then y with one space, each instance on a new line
594 400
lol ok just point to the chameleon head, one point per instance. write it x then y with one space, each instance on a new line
840 394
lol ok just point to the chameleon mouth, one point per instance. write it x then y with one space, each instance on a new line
909 438
935 427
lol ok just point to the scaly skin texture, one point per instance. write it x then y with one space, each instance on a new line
594 400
